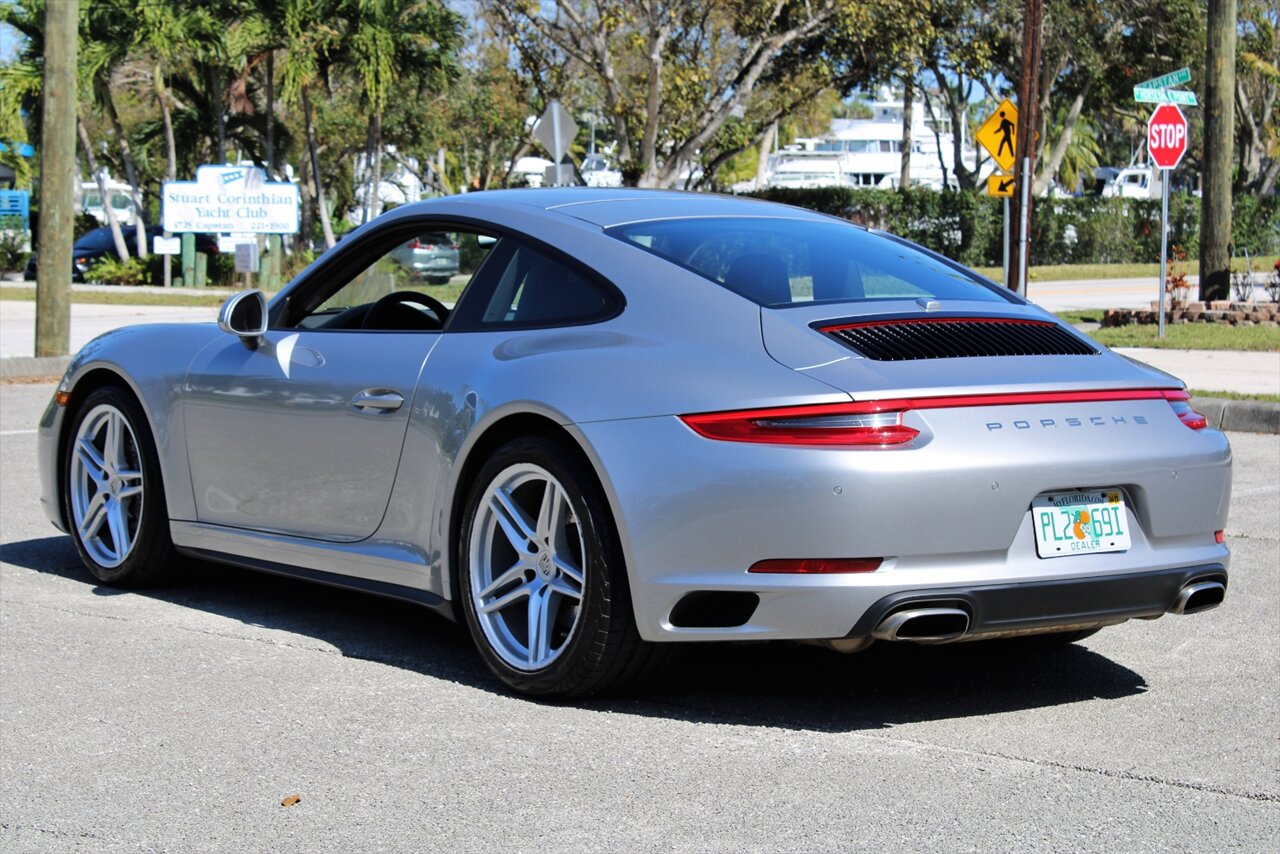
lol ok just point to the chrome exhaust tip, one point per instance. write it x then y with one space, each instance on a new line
1200 596
923 625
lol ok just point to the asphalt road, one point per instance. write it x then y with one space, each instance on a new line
178 719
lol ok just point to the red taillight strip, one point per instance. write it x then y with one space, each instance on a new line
746 425
1017 321
818 565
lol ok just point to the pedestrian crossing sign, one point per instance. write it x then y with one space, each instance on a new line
999 135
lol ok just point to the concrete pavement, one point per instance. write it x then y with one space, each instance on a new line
178 718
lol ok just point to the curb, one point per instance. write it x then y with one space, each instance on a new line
1245 416
26 367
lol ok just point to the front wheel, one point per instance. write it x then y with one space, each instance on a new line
543 584
114 498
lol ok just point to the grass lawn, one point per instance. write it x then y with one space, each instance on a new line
1074 272
1234 395
159 297
1192 336
1179 336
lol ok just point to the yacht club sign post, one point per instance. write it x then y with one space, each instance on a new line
227 200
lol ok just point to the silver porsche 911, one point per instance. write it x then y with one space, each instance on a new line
650 418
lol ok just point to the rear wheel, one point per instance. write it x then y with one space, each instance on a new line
543 584
114 497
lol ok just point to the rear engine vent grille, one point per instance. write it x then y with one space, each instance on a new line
957 338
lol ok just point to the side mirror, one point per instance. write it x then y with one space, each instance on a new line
245 314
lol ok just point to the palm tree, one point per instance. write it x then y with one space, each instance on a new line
309 38
169 33
104 47
388 41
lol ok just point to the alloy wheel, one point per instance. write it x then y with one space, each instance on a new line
106 485
527 567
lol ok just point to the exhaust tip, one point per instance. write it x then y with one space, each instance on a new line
924 625
1200 596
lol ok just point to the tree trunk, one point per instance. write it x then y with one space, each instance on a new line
116 234
329 239
766 148
131 173
271 114
171 147
214 85
1050 166
908 106
375 183
1219 124
307 214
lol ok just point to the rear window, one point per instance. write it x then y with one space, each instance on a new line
781 262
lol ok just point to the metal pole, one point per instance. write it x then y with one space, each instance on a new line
1005 262
58 177
1164 242
1024 227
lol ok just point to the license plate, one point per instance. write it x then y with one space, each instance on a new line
1070 523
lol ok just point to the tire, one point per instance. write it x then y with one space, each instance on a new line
113 495
537 536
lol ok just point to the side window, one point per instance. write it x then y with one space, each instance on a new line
533 289
437 264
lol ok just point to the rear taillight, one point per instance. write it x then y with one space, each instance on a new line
841 424
1181 403
879 422
415 243
1219 537
818 565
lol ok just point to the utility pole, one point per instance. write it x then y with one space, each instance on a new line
1028 119
1219 148
58 174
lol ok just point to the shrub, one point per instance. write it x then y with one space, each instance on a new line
13 243
110 270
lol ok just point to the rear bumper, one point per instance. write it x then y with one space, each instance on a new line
1002 608
948 511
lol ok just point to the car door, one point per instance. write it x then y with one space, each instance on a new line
302 435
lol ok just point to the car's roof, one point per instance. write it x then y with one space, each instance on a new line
608 207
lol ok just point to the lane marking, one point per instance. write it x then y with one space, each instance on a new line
17 432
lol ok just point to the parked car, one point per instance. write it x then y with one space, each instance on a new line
94 245
432 257
651 418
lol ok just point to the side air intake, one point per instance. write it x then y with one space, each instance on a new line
898 340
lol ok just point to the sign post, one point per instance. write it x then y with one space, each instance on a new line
999 136
555 130
1167 145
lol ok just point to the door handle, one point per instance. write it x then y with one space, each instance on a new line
377 399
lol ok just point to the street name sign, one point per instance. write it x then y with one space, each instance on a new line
1167 81
230 198
1000 186
555 130
999 135
1167 136
1164 96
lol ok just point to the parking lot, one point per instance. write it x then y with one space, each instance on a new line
179 718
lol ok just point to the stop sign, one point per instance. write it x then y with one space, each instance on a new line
1167 136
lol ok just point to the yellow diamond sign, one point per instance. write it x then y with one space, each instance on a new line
999 134
1000 186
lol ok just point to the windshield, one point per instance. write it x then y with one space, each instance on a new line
781 262
99 238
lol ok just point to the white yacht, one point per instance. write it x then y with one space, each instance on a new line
868 152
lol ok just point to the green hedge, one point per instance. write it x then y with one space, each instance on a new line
968 226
